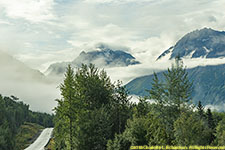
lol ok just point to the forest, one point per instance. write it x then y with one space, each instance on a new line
95 113
14 114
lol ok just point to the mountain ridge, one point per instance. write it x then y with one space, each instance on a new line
102 57
203 43
208 84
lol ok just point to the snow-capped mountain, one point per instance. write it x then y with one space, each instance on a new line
102 57
204 43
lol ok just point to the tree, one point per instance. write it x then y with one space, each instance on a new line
120 142
95 129
157 132
67 106
93 87
211 125
190 130
136 131
175 90
157 91
200 109
178 88
172 94
92 109
220 132
120 108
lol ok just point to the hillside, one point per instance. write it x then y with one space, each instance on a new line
15 121
208 84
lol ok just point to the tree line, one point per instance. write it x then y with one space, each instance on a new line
13 114
95 113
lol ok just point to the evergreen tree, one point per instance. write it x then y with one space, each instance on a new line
68 93
211 125
120 108
92 109
220 133
200 109
157 91
157 132
178 88
172 94
190 130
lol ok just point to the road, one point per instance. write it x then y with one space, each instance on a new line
42 140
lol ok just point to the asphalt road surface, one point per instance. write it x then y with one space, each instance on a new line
42 140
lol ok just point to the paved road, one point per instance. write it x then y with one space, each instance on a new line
42 140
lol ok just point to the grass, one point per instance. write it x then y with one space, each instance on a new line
27 134
50 145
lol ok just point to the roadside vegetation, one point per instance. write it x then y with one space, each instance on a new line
18 124
27 133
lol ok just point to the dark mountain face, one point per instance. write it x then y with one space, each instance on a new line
208 84
204 43
104 57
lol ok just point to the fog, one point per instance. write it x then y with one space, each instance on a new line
29 85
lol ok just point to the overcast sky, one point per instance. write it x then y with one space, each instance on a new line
40 32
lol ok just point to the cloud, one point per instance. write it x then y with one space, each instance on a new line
119 1
31 10
29 85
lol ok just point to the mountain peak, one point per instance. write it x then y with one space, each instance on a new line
203 43
103 57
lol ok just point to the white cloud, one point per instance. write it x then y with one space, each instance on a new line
119 1
31 10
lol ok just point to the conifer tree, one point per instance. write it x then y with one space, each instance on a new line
178 88
211 125
67 91
200 110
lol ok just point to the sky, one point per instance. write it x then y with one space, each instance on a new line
41 32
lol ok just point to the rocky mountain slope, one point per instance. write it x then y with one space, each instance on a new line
208 84
204 43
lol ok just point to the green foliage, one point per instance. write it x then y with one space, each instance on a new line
13 114
178 88
189 129
172 96
220 132
175 90
96 114
157 132
137 131
26 134
141 108
200 109
92 109
211 125
120 142
94 129
157 91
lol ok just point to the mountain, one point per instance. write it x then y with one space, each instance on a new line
204 43
208 84
102 57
